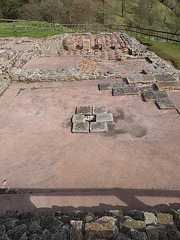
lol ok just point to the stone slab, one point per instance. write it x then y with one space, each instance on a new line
148 78
119 84
132 90
78 118
145 78
80 127
165 103
160 95
104 117
98 127
118 91
148 96
164 78
168 85
146 88
84 110
99 109
105 86
134 79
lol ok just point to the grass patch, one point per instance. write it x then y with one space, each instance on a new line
7 30
167 51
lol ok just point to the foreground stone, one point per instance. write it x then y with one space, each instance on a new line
98 127
164 218
103 228
133 224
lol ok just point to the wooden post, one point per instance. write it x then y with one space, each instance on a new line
25 27
157 37
15 28
31 26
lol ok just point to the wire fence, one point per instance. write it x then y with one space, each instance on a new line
22 26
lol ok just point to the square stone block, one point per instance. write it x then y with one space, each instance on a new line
84 110
105 86
80 127
98 127
99 109
78 118
146 88
148 96
168 85
164 78
148 78
119 84
118 91
132 90
160 95
165 103
134 79
104 117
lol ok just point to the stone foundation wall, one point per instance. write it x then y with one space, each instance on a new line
12 61
79 225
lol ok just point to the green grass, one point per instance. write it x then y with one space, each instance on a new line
9 31
167 51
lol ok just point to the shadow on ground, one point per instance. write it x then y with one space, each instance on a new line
43 200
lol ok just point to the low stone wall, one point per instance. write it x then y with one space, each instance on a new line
79 225
12 61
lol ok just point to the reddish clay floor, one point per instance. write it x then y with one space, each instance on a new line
52 63
134 165
20 46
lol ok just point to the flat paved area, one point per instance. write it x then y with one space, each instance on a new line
135 165
52 63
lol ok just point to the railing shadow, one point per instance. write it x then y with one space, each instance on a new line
68 200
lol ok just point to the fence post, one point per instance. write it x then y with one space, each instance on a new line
157 37
31 26
25 27
15 28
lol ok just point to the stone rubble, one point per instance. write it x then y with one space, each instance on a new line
80 225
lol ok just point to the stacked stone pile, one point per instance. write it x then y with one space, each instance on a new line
91 119
79 225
